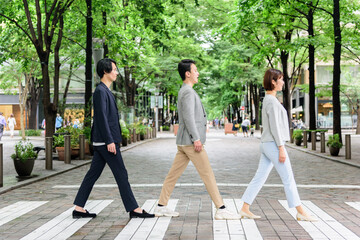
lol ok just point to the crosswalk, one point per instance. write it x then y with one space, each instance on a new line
64 226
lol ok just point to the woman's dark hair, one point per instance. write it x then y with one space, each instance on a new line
185 66
271 74
104 66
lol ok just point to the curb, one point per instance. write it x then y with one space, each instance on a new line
38 179
323 156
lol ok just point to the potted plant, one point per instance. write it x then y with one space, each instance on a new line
24 158
58 144
298 136
141 129
334 144
125 133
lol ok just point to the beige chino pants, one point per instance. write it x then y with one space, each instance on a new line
202 165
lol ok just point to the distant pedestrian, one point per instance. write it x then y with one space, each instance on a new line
235 127
273 152
2 124
76 123
216 123
43 124
12 124
244 125
58 122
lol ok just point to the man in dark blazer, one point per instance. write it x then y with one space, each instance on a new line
106 136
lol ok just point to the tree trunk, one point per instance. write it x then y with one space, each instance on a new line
337 70
286 91
257 105
88 65
66 90
312 113
32 102
251 96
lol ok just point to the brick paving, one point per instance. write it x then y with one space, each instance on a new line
234 161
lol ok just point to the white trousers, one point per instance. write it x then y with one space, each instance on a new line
270 158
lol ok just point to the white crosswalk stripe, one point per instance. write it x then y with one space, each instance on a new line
18 209
63 226
326 228
234 229
152 228
355 205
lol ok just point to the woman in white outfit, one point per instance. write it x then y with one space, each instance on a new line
12 124
273 152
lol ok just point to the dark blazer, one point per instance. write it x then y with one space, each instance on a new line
106 126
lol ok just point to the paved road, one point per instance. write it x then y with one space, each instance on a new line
234 161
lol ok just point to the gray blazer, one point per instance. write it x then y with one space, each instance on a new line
192 117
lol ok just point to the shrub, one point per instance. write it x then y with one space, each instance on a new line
165 128
31 132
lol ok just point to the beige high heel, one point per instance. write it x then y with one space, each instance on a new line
301 217
246 215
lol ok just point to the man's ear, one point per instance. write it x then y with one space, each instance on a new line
187 74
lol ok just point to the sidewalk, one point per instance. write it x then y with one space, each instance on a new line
39 172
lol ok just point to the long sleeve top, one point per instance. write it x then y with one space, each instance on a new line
275 121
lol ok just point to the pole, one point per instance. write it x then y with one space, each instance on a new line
305 139
322 142
291 135
67 145
347 146
313 140
82 146
48 153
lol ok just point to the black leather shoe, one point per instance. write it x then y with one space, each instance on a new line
77 214
144 214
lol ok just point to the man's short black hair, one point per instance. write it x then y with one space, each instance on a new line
185 66
104 66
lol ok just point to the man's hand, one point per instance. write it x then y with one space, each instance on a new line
198 146
111 148
282 155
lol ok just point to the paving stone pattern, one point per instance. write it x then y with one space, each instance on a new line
234 160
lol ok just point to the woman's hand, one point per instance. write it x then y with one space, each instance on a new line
282 155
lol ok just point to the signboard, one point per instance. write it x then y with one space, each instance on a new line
242 108
156 101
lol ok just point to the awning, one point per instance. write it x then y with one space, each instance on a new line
297 109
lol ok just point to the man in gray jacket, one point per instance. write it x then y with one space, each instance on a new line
190 139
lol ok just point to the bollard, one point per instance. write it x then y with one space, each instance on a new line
261 129
322 142
347 146
155 132
1 166
48 153
138 137
134 135
291 135
67 145
82 146
305 139
313 140
147 133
